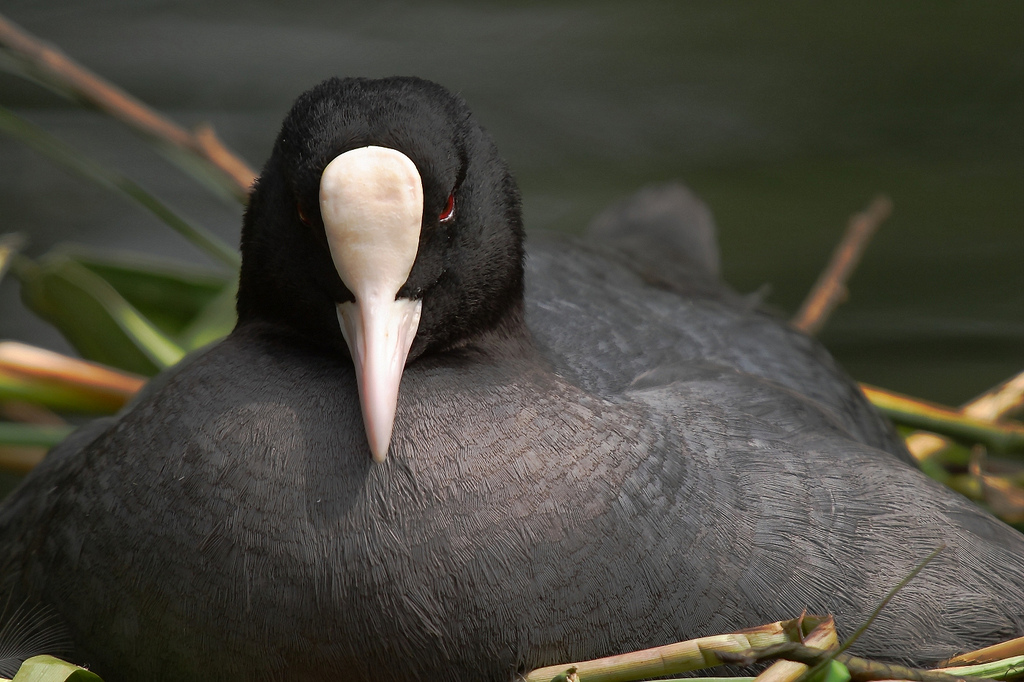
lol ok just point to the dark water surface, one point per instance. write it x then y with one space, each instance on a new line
786 118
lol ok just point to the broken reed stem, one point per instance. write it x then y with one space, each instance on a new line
921 414
45 365
830 289
836 653
989 406
996 652
676 658
861 670
1005 669
1002 400
823 636
56 70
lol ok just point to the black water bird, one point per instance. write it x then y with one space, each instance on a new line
633 456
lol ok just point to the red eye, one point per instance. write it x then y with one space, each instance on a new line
449 209
304 218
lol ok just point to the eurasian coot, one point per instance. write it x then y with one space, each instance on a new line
631 457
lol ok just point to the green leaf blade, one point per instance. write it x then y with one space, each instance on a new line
13 434
94 317
72 159
50 669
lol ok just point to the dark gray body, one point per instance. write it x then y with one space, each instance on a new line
660 467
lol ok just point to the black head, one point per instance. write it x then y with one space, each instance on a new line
468 268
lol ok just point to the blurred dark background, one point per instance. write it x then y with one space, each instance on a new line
785 118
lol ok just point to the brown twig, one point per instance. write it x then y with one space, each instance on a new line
57 71
830 289
861 670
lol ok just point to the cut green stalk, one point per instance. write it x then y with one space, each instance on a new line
992 405
56 395
858 668
677 658
902 409
1011 648
822 636
74 160
710 679
995 670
